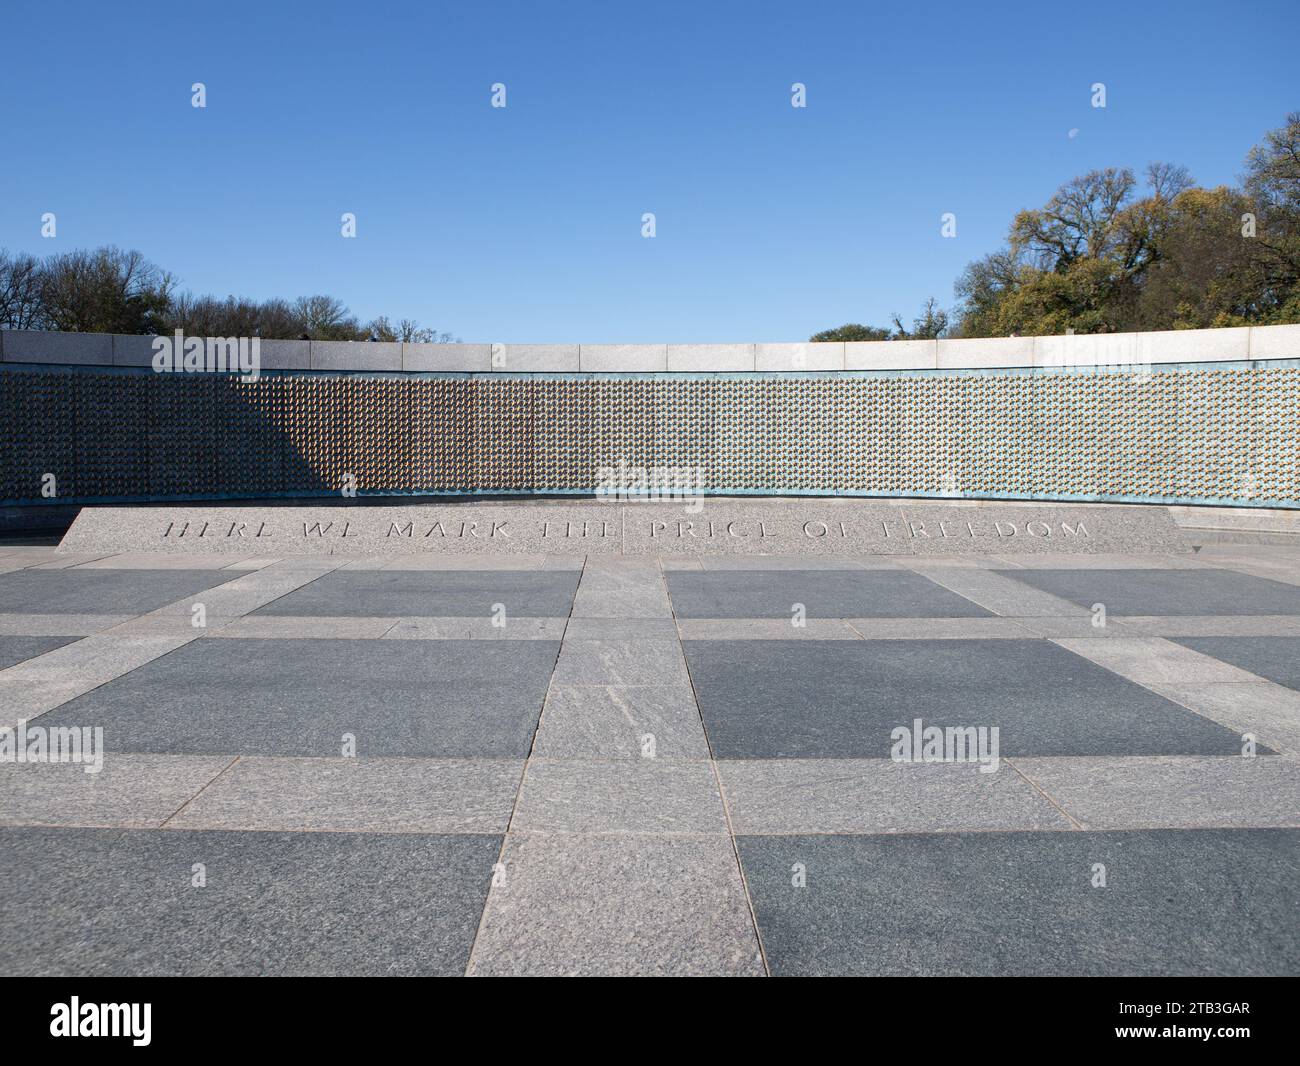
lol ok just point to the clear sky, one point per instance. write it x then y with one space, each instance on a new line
524 223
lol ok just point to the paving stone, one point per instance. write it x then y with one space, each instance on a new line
784 562
650 601
113 902
620 722
81 592
1276 658
824 594
98 658
1098 561
617 905
1167 592
433 593
766 629
792 796
69 560
999 593
843 699
621 662
621 629
462 562
938 628
1177 902
1149 660
623 796
15 650
516 628
443 698
1264 625
159 561
620 571
1083 628
1270 713
28 697
359 795
126 791
1172 791
290 626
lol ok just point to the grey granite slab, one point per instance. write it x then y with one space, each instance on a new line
998 593
621 662
1263 625
843 699
359 795
940 628
160 561
823 594
1276 658
468 594
1085 628
1167 592
58 625
100 591
1152 660
621 629
617 905
1270 713
163 623
296 626
99 658
14 650
442 698
650 601
126 791
620 796
27 697
784 562
1172 792
1177 902
792 796
766 629
517 627
620 722
123 903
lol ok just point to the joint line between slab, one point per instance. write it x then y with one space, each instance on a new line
722 795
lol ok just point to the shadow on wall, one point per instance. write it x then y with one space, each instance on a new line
91 435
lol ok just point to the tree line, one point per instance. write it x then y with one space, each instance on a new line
108 290
1109 254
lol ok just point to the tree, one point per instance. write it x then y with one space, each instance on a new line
1096 258
851 331
326 318
1272 182
20 292
932 323
408 330
104 291
111 291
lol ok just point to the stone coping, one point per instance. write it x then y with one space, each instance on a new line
1236 344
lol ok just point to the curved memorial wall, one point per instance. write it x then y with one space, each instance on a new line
1208 416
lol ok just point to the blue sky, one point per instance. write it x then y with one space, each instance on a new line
524 223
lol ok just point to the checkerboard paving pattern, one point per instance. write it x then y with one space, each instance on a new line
712 765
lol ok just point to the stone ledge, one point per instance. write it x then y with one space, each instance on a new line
1238 344
805 527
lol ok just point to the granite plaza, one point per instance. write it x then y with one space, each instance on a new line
569 734
649 489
